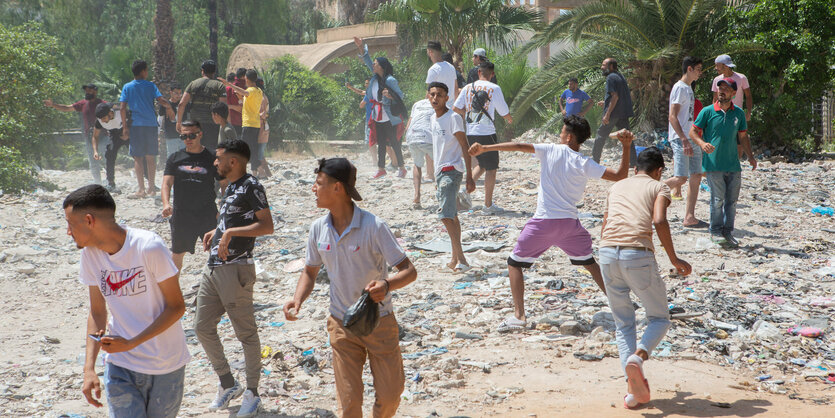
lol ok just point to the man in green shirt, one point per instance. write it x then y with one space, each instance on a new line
715 132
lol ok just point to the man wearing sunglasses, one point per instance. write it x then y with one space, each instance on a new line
192 174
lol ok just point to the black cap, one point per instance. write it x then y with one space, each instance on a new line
343 171
729 81
209 66
90 86
102 109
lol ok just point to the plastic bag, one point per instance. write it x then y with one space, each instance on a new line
363 316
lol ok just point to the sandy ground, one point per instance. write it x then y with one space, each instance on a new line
45 308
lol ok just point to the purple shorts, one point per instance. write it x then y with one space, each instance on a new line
539 235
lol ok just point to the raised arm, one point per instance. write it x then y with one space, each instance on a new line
364 54
625 137
478 149
239 91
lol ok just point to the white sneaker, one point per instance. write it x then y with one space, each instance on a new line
249 405
224 396
491 210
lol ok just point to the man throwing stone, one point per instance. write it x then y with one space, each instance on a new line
230 276
357 249
129 273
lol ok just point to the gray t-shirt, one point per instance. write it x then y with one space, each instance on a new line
226 133
615 82
362 254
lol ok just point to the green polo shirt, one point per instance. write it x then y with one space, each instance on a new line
720 129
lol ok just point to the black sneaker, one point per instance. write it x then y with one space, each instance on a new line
730 241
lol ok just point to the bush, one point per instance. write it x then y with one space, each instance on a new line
16 174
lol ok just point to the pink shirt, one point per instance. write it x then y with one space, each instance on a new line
741 85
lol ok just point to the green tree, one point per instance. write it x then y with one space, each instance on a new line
648 38
458 24
164 57
785 84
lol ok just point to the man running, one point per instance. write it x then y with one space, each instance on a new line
357 249
449 146
687 158
191 173
110 121
419 139
481 129
627 260
202 93
562 180
129 273
229 279
87 108
441 71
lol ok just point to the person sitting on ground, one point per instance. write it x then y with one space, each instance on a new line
562 180
419 139
110 121
627 260
449 146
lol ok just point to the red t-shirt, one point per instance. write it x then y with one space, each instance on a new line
697 107
232 99
88 111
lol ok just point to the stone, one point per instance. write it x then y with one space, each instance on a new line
571 328
603 319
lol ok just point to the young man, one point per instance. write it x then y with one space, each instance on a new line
627 261
687 158
419 139
716 131
571 100
110 121
441 71
129 273
202 93
237 78
617 107
220 114
230 276
449 146
482 130
87 108
479 56
192 174
139 96
357 249
562 180
251 114
168 121
725 66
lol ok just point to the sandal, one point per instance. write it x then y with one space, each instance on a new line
137 195
638 385
511 324
461 268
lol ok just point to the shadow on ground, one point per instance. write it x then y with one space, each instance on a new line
682 404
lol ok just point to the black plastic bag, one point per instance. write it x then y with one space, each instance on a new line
363 316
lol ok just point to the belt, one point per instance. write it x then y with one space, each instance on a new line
625 247
447 168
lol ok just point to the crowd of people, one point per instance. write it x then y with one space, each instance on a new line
133 277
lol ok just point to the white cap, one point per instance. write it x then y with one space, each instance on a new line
480 52
724 59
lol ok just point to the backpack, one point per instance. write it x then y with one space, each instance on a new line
480 99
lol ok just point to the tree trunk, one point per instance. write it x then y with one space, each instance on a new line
213 30
165 70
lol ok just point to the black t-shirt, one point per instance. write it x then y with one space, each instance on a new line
240 202
194 183
623 108
169 127
472 76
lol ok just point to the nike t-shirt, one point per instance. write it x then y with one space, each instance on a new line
129 281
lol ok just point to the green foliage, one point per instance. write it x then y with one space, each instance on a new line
512 74
16 174
785 84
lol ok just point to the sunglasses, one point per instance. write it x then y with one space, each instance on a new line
188 136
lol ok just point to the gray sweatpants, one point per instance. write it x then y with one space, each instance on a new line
228 289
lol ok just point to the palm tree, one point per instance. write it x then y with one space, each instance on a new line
649 37
165 69
458 24
213 30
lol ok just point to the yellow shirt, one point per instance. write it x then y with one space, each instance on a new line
251 114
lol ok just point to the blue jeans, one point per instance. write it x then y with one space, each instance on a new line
626 269
132 394
724 192
95 165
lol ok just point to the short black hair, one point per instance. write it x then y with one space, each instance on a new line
577 126
446 56
175 86
252 75
193 123
487 68
240 72
235 146
209 67
650 160
221 109
91 196
434 45
231 77
103 109
138 67
439 85
574 79
688 62
614 63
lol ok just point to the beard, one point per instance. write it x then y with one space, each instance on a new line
605 72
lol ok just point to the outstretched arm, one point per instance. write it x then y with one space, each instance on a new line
56 106
478 149
625 137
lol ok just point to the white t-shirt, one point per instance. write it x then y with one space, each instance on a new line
378 113
741 85
682 94
562 180
446 151
114 123
496 104
128 280
444 72
419 132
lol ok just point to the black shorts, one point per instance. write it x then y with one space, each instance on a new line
488 160
187 228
